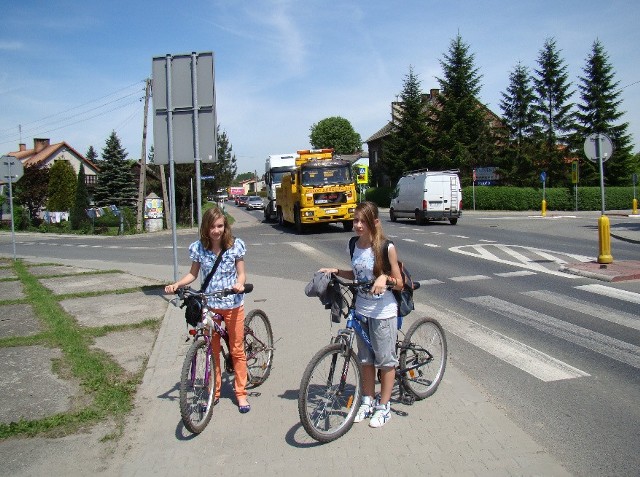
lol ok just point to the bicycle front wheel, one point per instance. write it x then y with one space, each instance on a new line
197 381
330 393
258 347
423 357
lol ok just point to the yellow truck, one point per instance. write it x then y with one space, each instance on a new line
320 189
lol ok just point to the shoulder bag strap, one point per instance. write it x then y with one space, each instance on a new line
207 279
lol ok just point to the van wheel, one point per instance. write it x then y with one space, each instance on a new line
419 218
453 220
392 216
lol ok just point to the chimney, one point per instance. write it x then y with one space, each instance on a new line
39 144
22 147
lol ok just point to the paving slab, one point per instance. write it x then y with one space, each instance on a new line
45 270
27 373
130 349
18 320
11 290
95 283
619 270
6 272
117 309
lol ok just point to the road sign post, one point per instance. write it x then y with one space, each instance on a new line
11 170
598 147
543 179
634 203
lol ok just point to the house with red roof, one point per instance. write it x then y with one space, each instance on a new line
44 154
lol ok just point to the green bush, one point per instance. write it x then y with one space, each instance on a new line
527 198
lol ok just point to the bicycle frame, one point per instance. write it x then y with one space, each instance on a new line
353 326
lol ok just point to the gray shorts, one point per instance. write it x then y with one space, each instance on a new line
383 334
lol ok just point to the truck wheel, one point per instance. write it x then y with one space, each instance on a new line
280 217
453 220
392 216
419 218
348 225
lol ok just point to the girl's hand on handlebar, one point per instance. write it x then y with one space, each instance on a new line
238 287
171 288
380 285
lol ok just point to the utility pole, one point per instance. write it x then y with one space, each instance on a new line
143 158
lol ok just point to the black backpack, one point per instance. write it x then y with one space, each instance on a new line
404 297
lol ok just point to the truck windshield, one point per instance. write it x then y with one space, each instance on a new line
326 176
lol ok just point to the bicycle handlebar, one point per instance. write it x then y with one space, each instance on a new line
188 291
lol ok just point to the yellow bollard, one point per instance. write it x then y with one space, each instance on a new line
604 240
544 208
634 207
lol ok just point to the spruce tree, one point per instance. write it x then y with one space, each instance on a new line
92 155
116 185
408 146
555 117
517 104
62 187
78 216
598 112
222 171
461 131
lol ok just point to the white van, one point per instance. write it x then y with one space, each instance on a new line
427 195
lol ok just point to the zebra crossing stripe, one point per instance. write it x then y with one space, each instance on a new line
605 345
530 360
469 278
598 311
625 295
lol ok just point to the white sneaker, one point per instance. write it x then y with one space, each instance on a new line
365 410
381 414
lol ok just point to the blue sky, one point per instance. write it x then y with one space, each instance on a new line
74 70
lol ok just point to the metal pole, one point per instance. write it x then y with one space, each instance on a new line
172 185
13 233
191 185
194 90
599 156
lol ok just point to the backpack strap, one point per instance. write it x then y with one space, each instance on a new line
385 251
352 245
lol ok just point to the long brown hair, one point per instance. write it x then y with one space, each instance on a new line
369 213
208 219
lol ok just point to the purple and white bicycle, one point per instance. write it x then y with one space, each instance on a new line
197 378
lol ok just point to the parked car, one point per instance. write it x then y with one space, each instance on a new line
241 200
255 202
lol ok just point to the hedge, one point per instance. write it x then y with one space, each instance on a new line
528 198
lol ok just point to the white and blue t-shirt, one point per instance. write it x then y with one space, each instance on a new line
367 304
226 274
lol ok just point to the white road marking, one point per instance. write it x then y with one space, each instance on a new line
469 278
605 345
520 273
592 309
528 359
612 293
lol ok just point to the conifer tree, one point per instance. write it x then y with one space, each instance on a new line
224 170
555 117
92 155
78 215
116 185
62 187
598 112
519 118
461 133
408 146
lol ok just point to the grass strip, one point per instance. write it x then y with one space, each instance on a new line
98 374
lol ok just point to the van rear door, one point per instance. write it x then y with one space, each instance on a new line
438 194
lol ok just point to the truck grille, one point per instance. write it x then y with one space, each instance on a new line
328 198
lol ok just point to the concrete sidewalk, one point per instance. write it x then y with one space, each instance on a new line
458 431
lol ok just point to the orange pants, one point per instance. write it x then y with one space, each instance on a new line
234 322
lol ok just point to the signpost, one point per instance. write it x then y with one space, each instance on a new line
11 170
598 148
574 180
184 124
543 179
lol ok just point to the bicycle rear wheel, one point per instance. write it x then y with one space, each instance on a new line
330 392
258 347
423 357
196 387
